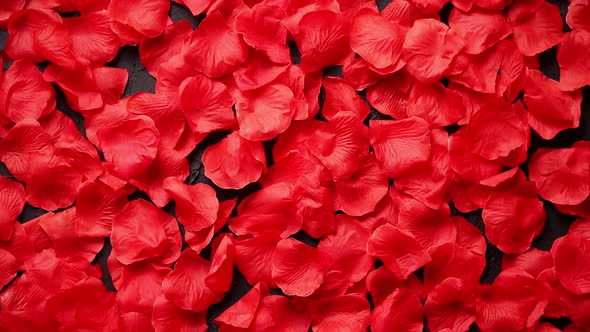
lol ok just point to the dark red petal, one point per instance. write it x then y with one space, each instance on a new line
323 39
479 29
97 206
382 282
400 145
398 250
9 8
570 256
377 40
550 109
297 268
24 94
513 219
135 21
254 257
341 97
234 162
562 175
167 164
210 112
359 194
214 48
185 285
429 49
350 312
12 200
129 146
262 29
265 112
400 311
347 247
142 231
450 306
537 26
358 74
9 266
169 317
573 64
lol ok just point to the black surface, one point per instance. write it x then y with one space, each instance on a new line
140 80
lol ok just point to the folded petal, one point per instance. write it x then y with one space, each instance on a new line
133 22
400 311
341 97
97 206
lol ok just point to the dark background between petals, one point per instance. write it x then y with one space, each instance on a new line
140 80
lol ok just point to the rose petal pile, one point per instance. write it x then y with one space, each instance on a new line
347 193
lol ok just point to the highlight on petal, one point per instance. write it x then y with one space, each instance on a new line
429 49
214 49
562 175
234 162
129 146
401 311
400 145
398 250
533 261
378 41
297 268
577 12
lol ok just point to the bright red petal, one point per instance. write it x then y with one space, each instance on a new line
12 199
401 311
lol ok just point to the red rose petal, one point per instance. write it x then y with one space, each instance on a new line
429 49
234 162
573 64
214 48
537 26
97 206
12 199
398 250
168 317
479 29
570 254
341 97
341 313
400 145
450 306
133 22
142 231
401 311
